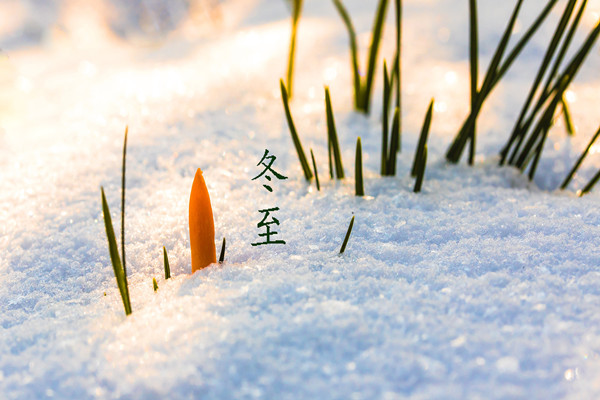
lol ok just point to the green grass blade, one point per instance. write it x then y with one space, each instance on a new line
166 263
332 134
359 186
353 52
590 184
567 116
301 156
579 161
330 156
474 68
539 150
114 255
154 285
421 171
398 63
422 140
296 10
391 165
348 232
123 209
222 255
385 123
315 169
373 50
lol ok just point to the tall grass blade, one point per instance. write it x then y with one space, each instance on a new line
421 171
373 50
114 255
579 161
154 285
353 52
166 263
123 208
474 69
395 143
315 169
330 156
422 140
222 255
566 111
301 156
348 232
332 134
398 68
359 186
385 122
590 184
296 10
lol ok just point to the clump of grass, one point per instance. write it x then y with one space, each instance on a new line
533 146
154 285
166 263
418 160
296 10
222 255
332 137
301 156
579 161
495 72
359 187
526 116
363 88
348 232
312 156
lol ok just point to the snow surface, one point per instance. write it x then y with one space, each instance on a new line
484 286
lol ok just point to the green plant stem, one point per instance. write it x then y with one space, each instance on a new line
222 255
114 255
579 161
422 139
373 50
332 134
474 69
385 122
353 52
359 187
123 209
166 263
393 154
315 169
301 156
154 285
567 116
348 232
421 171
296 10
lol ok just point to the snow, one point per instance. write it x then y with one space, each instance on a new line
483 286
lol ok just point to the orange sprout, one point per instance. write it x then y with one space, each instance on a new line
202 226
